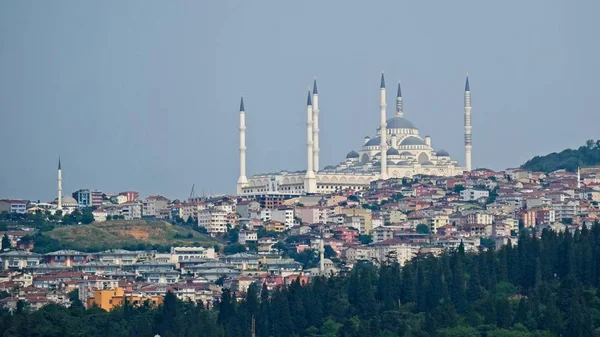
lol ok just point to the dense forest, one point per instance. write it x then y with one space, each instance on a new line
545 285
586 155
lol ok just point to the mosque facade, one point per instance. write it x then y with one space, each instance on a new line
396 150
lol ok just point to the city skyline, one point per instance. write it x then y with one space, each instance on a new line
146 97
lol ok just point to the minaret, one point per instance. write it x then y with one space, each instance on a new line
399 108
467 125
315 127
59 204
578 178
310 181
242 180
322 255
383 129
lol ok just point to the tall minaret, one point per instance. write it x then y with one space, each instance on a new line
315 127
322 254
59 204
242 180
467 125
310 181
399 107
383 130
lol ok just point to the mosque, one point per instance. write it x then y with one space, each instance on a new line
395 151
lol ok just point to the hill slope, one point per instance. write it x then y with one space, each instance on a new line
586 155
127 234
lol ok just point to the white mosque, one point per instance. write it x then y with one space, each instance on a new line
395 151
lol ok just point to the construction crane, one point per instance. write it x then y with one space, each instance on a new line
192 193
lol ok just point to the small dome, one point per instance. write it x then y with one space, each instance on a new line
68 201
399 123
392 152
389 162
412 140
377 164
329 167
406 153
378 154
352 155
374 142
403 163
442 153
427 163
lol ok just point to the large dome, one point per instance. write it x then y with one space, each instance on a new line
399 123
412 140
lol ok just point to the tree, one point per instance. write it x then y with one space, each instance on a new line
191 220
234 249
423 229
5 243
365 239
329 252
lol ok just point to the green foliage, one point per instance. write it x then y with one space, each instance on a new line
5 243
546 285
365 239
569 159
423 228
234 249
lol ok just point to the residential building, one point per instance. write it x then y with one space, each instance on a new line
130 195
284 215
214 220
480 218
88 198
13 206
180 254
471 194
153 205
245 237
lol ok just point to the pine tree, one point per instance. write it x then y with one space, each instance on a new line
408 289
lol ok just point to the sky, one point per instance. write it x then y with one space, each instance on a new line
143 95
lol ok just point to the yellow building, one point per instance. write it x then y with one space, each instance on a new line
365 213
108 299
275 226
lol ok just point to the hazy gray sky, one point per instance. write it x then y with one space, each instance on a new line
143 95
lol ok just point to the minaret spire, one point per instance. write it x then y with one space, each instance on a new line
315 102
468 144
310 181
322 254
399 107
59 201
383 129
242 180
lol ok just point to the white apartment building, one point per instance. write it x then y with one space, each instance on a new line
381 250
128 211
566 210
245 237
480 219
153 205
191 209
182 254
214 220
284 215
471 194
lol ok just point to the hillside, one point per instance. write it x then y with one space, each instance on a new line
569 159
127 234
